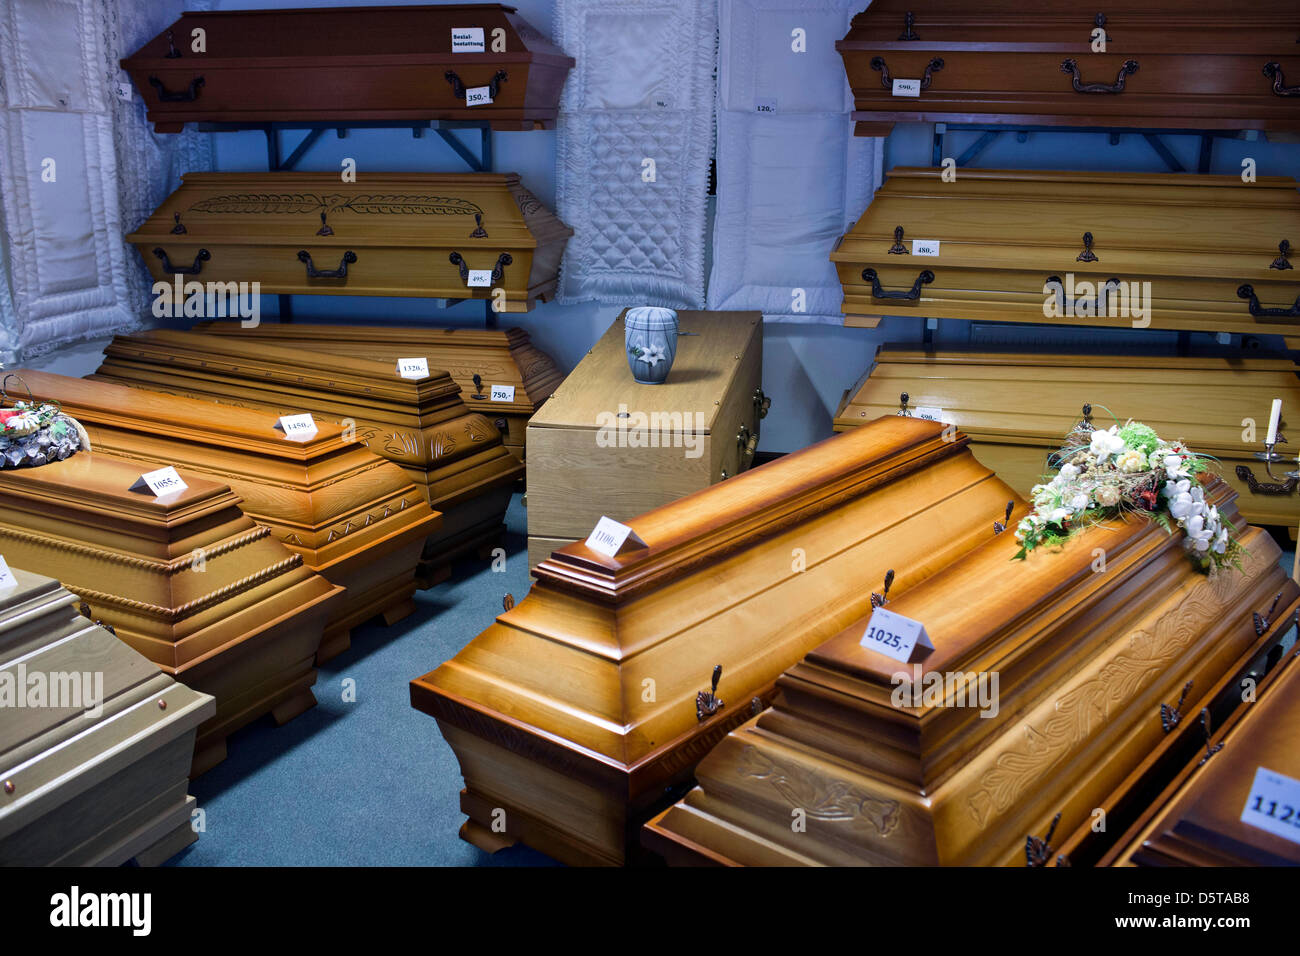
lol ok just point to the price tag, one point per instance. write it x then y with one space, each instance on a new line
1274 804
925 247
503 393
609 537
123 91
765 106
907 87
298 427
413 367
467 40
162 482
478 96
479 278
894 635
7 579
928 412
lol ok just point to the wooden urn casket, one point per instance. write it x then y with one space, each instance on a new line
1167 64
576 709
1041 695
1018 408
96 742
433 235
1132 250
496 357
454 456
694 430
366 64
187 580
354 517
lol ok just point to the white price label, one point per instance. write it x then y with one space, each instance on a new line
478 96
609 536
7 579
123 91
765 106
479 278
503 393
413 367
298 427
907 87
467 40
894 635
164 481
929 412
925 247
1274 804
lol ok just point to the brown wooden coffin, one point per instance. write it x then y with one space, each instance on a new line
576 709
336 64
188 581
846 769
1018 408
406 234
1170 64
95 744
709 408
495 356
354 517
1202 252
454 456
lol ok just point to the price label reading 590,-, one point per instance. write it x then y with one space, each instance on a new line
894 635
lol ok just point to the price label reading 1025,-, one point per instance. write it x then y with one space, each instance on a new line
1274 804
894 635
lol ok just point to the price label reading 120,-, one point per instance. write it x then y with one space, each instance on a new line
894 635
298 427
413 367
1274 804
164 481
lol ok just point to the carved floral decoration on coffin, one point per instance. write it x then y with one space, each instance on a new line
1127 469
36 433
377 204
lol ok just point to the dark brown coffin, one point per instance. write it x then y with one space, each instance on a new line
1199 64
348 64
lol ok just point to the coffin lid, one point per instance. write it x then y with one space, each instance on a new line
1023 398
401 210
344 36
1142 224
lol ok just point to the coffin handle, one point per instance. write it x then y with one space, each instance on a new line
1274 72
1258 487
880 66
762 402
200 257
1071 66
188 95
458 87
498 270
924 278
340 273
1246 291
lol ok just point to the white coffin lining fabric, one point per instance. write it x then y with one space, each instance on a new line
635 242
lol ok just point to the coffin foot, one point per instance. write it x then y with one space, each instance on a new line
480 836
333 644
167 846
207 755
398 612
429 575
301 702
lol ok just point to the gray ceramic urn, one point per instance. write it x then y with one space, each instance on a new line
650 334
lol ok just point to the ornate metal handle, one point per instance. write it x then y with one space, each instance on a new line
1247 291
707 702
200 257
1274 72
184 96
762 402
878 64
498 270
1071 66
340 273
458 88
1283 260
1258 487
924 278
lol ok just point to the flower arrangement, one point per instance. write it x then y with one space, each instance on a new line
1127 469
36 433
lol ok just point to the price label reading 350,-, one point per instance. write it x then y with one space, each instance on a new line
894 635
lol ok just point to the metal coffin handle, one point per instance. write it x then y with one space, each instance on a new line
201 257
1274 72
187 95
458 86
340 273
880 66
924 278
1071 66
498 270
1247 291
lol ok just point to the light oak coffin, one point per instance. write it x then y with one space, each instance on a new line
1204 64
1072 248
371 64
188 581
581 465
496 356
1018 408
95 768
578 707
454 456
407 234
1084 659
354 517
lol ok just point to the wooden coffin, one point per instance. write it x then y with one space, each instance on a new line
95 744
436 235
1018 408
1200 252
1170 64
350 64
497 357
578 707
354 517
188 581
963 773
582 467
452 455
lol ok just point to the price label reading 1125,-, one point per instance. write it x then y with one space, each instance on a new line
894 635
1274 804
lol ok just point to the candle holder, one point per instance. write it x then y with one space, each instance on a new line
1269 455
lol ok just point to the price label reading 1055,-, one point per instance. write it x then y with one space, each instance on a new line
1274 804
164 481
894 635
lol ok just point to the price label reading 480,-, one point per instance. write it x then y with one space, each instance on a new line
1274 804
894 635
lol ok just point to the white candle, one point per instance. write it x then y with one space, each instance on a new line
1273 421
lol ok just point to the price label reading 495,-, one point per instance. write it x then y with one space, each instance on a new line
1274 804
894 635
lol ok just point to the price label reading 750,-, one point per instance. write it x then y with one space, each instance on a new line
894 635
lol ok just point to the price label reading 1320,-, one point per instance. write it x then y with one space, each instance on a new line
1274 804
894 635
413 367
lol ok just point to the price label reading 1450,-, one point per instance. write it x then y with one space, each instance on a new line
894 635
